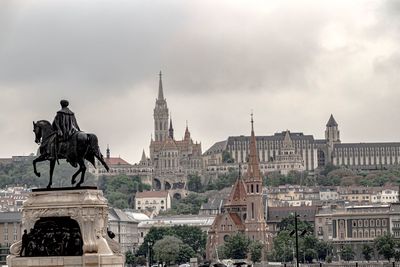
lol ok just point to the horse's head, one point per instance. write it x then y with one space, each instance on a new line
37 131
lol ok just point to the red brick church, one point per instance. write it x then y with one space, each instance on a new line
243 211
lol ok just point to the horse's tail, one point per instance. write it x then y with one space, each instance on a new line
94 146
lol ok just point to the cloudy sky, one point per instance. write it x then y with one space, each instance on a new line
292 62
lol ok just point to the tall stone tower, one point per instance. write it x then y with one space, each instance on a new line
332 136
255 221
161 115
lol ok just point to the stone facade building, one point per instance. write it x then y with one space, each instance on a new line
153 200
356 225
313 152
125 229
10 232
244 209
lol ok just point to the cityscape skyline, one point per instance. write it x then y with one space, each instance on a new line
291 64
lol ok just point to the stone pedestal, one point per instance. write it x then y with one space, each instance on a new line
86 206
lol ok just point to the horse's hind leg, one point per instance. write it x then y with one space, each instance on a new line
52 164
82 167
75 174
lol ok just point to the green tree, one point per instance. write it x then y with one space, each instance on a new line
237 246
227 157
194 184
366 251
310 254
185 253
189 205
130 258
385 245
255 249
191 235
167 249
120 189
347 253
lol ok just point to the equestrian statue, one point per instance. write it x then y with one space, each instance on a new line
63 139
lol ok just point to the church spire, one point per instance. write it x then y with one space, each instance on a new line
171 129
108 152
160 89
253 170
187 133
143 157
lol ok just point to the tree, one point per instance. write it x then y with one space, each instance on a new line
227 157
194 184
120 189
237 246
185 253
385 245
347 253
366 251
255 249
310 254
130 259
167 249
191 235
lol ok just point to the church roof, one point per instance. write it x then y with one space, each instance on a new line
170 144
331 122
150 194
116 161
237 197
237 220
216 148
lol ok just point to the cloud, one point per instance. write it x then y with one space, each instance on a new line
292 62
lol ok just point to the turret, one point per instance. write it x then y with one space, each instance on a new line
171 129
108 152
332 134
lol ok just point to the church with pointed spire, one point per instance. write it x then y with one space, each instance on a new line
172 160
243 211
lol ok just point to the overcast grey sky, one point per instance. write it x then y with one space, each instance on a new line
292 62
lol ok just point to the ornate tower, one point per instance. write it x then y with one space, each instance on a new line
332 136
160 115
255 221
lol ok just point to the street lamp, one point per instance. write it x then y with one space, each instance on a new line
149 244
297 237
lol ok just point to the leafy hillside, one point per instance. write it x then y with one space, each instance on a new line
21 173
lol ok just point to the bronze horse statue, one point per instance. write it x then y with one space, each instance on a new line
77 148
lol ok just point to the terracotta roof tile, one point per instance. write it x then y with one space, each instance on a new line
116 161
151 194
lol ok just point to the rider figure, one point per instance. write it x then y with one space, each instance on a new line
65 122
65 125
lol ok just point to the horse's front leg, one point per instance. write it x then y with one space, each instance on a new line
38 159
52 164
82 167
